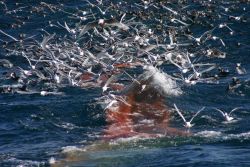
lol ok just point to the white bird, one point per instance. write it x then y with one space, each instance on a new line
169 58
170 10
202 38
114 100
145 5
119 98
57 79
113 78
25 56
226 25
103 12
45 93
6 63
188 123
118 24
26 72
133 79
1 31
227 116
190 80
143 87
236 18
72 31
183 23
240 70
110 104
226 9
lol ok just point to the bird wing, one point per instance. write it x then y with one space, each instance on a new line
190 36
6 63
220 111
133 79
171 61
113 78
87 27
178 111
207 32
208 69
188 59
67 27
234 110
46 40
196 114
122 17
122 100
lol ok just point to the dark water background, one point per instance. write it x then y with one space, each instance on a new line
34 128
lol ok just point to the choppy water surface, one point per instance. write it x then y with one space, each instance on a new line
35 130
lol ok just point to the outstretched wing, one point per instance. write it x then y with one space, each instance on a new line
234 110
220 111
113 78
197 114
208 69
178 111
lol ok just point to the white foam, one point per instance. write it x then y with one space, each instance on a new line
22 163
68 149
147 121
52 160
162 81
208 134
223 136
67 125
245 135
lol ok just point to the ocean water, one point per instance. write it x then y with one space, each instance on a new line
35 129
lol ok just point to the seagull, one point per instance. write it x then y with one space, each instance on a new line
110 104
8 35
227 116
6 63
202 38
118 24
190 80
182 69
118 98
133 79
145 5
225 25
188 123
240 70
104 22
5 6
236 83
114 99
170 10
57 79
223 72
72 31
103 12
226 9
45 93
174 21
217 38
111 79
25 56
236 18
84 29
26 72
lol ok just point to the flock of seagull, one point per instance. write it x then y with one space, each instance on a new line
107 44
227 117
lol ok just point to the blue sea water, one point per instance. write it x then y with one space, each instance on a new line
35 129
